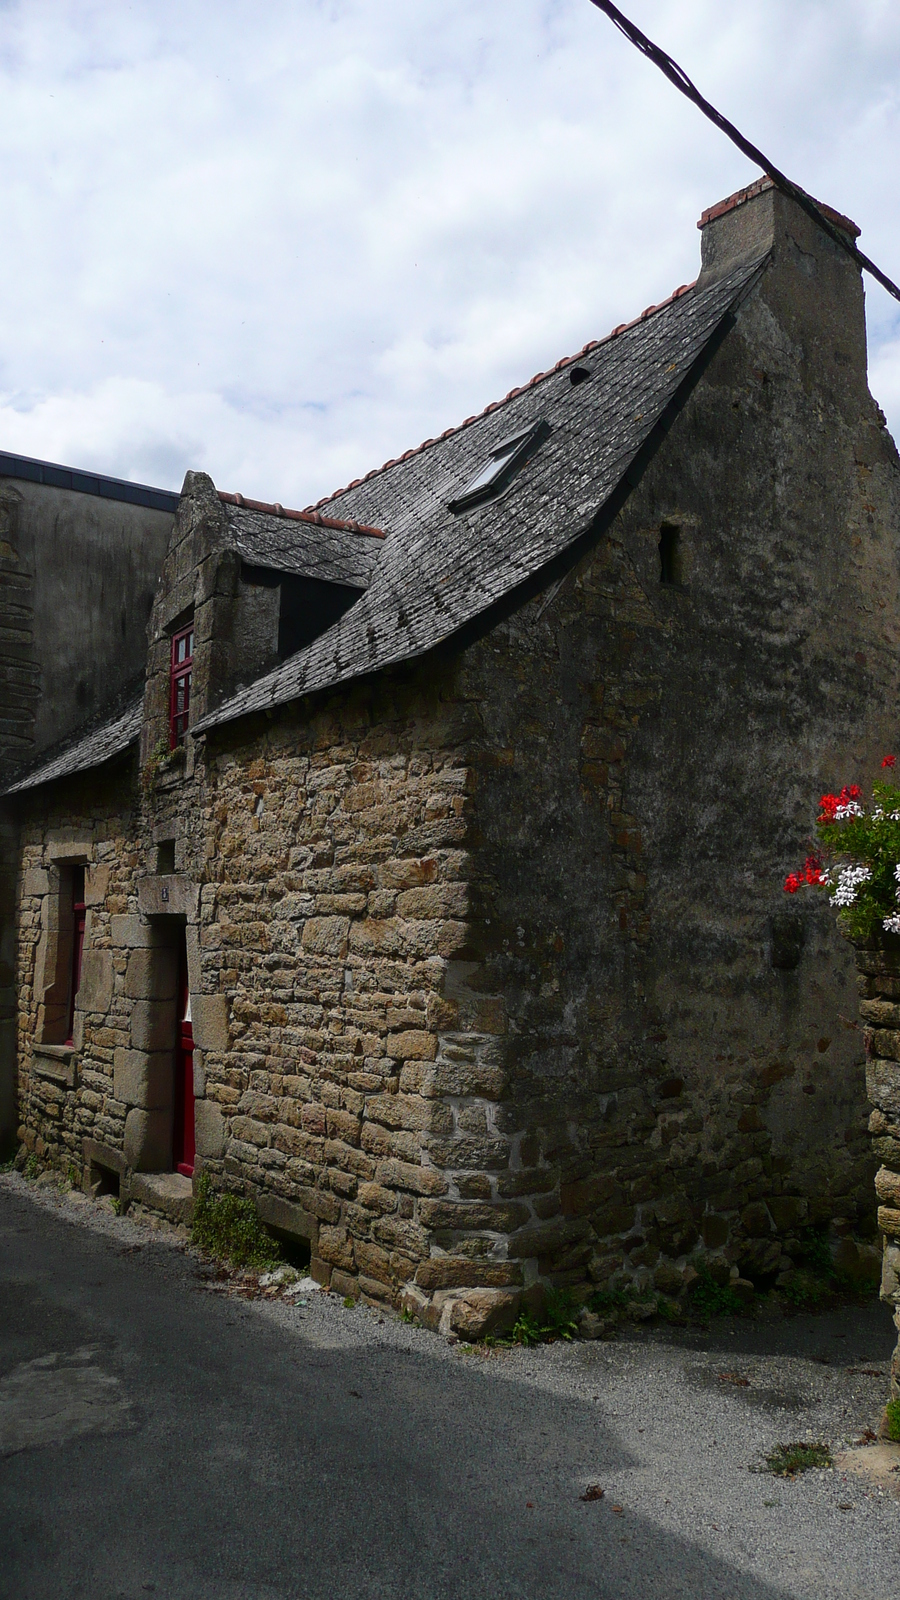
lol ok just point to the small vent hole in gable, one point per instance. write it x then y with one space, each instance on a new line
670 555
578 375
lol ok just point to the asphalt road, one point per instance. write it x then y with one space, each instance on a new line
158 1438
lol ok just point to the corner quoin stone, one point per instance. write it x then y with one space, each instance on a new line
209 1130
142 1078
148 1140
153 1024
151 975
209 1020
96 990
478 1312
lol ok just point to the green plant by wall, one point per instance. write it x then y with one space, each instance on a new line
153 766
892 1420
609 1302
560 1315
228 1229
815 1252
713 1299
559 1321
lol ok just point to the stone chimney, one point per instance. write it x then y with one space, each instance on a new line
750 222
814 288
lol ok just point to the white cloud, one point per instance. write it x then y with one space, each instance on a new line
284 242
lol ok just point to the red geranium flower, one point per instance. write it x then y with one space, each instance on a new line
889 761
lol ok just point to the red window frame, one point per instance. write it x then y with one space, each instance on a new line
78 916
180 673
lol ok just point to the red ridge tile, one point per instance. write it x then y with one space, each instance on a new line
564 361
311 514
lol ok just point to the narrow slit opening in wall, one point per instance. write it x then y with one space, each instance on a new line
670 562
165 856
296 1251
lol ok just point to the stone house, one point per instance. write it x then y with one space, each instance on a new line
430 890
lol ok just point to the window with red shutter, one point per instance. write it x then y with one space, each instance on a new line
182 662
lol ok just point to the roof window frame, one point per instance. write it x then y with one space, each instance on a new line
509 455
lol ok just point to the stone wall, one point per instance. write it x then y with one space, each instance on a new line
879 986
380 1057
322 880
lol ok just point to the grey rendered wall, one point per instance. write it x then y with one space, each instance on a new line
77 576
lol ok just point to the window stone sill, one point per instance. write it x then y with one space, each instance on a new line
170 777
59 1062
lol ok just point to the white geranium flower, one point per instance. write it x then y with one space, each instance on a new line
848 883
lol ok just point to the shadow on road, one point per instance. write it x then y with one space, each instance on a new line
250 1464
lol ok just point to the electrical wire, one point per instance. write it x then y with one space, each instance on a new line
682 82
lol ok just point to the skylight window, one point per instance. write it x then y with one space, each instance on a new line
502 462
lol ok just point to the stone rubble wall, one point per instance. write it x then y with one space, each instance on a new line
353 1070
322 876
879 984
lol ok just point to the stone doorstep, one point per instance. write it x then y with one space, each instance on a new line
167 1192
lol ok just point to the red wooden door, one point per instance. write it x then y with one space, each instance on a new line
183 1140
78 921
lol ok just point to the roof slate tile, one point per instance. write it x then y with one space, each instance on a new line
438 570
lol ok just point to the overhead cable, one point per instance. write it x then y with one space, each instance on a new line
682 82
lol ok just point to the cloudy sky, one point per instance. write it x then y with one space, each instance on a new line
282 242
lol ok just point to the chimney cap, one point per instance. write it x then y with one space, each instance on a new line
740 198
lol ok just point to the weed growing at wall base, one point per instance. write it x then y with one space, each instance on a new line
558 1322
713 1299
228 1229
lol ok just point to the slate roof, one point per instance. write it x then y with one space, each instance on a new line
90 749
438 571
336 554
